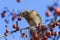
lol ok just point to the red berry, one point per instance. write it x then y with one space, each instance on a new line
5 34
13 17
15 26
7 30
39 38
35 34
45 37
19 18
52 33
32 38
24 35
53 25
55 33
43 27
57 23
48 34
57 11
3 14
51 8
51 28
39 26
18 0
48 13
59 32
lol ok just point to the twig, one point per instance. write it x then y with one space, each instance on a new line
14 31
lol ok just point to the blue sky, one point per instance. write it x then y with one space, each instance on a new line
39 5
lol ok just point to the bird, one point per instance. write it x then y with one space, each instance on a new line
32 17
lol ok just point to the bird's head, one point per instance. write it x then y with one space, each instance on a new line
24 13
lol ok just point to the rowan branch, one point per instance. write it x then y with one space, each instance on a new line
14 31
